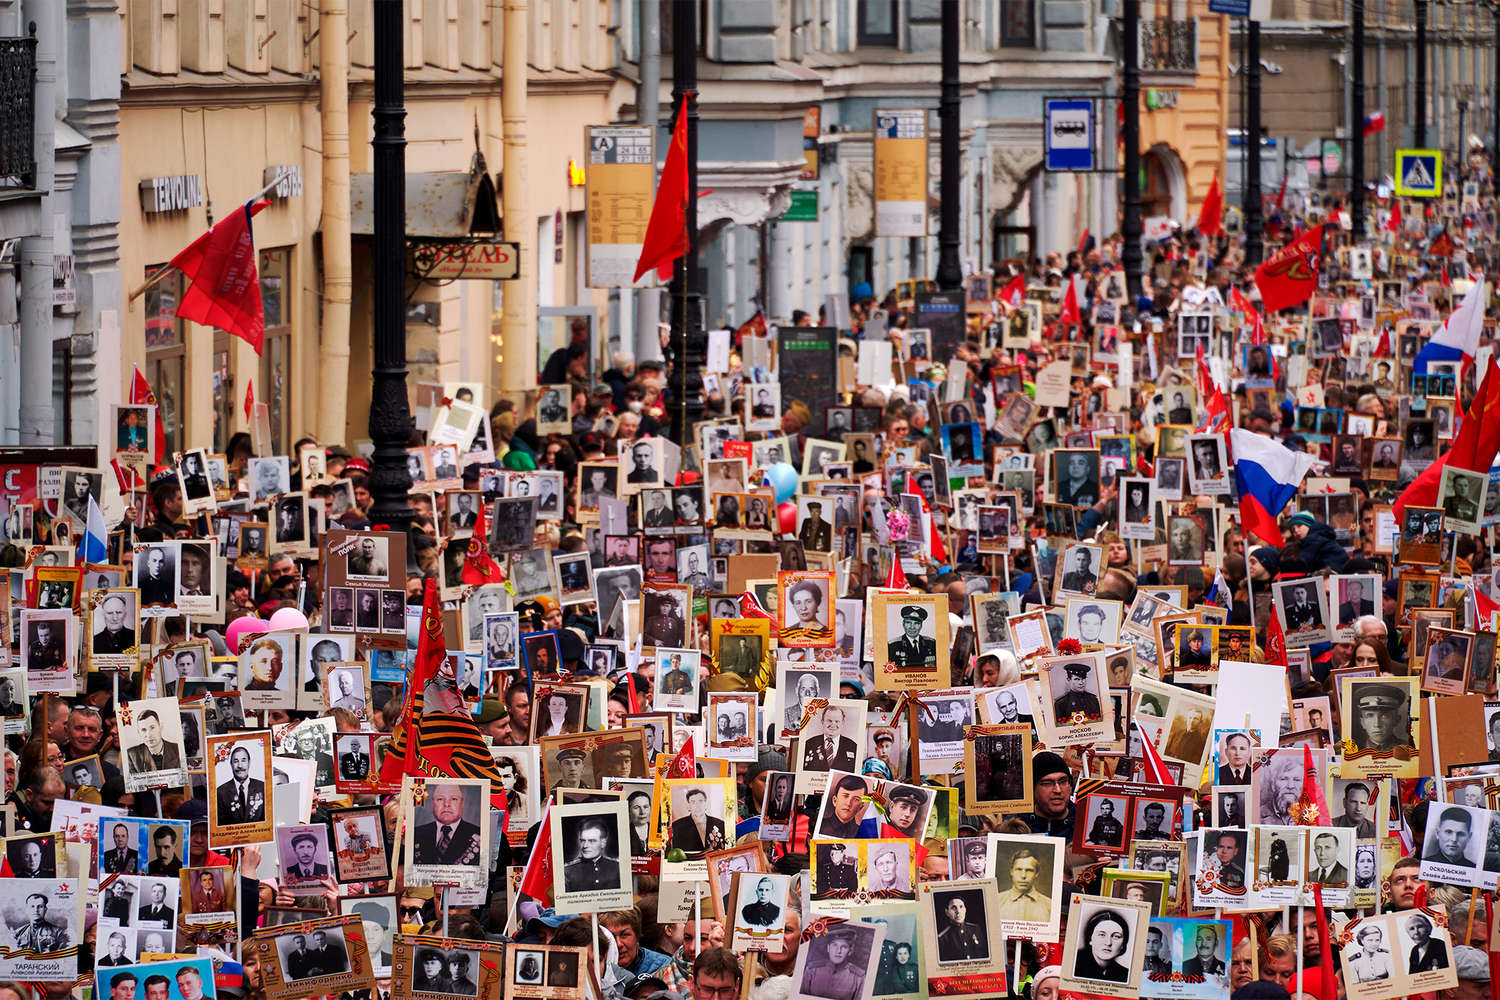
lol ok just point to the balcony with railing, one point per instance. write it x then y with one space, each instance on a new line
17 114
1169 52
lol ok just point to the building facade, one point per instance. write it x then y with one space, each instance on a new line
1306 55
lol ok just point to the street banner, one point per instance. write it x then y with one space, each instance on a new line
900 172
620 176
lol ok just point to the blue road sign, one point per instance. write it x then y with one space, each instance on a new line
1238 8
1070 135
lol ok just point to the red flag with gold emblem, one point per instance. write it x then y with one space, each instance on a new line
479 566
1290 276
1311 807
685 764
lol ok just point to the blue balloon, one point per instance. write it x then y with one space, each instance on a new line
783 478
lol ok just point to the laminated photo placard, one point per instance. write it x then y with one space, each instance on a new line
314 957
429 967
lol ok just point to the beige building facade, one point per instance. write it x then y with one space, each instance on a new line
221 97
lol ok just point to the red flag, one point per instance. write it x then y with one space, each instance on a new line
1291 275
1484 607
1474 447
536 877
1152 764
226 289
479 566
896 578
1311 807
1083 243
249 397
685 763
1211 215
666 232
1215 417
1014 291
1275 637
1070 314
141 395
1325 959
440 739
1393 224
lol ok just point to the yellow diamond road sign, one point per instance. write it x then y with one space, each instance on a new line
1419 173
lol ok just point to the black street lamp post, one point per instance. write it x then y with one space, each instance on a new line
390 414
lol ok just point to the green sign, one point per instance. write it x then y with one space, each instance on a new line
804 207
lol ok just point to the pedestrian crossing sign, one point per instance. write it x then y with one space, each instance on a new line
1419 173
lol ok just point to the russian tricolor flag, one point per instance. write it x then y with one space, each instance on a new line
1266 477
1374 122
1458 340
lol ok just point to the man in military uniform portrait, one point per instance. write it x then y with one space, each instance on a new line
763 912
1302 611
39 935
835 974
592 866
1106 830
912 649
551 409
1080 577
449 839
1460 496
957 939
1077 699
837 871
1381 716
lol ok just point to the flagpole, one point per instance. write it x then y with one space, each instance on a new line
167 269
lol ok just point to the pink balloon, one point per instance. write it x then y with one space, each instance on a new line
242 627
788 515
285 618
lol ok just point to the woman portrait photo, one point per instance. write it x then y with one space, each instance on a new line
558 713
1104 941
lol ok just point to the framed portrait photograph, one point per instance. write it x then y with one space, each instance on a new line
314 957
1074 702
113 624
545 972
1378 719
431 967
806 602
303 852
960 925
592 846
239 810
151 744
1301 606
1028 870
447 831
910 634
997 768
358 848
839 959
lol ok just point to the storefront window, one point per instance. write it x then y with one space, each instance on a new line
273 386
165 354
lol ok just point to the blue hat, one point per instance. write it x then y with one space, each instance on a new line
862 291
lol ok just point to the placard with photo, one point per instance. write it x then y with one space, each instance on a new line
1074 706
997 768
910 635
961 937
267 671
806 602
742 647
545 972
113 621
151 744
1187 959
43 923
838 958
591 845
1106 945
239 810
304 855
1400 954
358 849
758 911
431 967
447 827
1028 870
1378 719
207 896
314 957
